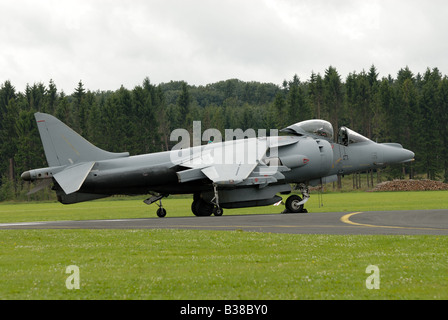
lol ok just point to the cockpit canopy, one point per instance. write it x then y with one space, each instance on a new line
324 129
313 127
347 136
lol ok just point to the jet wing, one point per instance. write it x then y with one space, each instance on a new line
230 162
72 178
229 174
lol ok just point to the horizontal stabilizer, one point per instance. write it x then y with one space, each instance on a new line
72 178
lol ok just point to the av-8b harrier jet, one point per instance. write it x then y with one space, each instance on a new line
230 174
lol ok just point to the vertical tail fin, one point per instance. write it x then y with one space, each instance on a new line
63 146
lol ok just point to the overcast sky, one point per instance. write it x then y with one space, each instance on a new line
108 43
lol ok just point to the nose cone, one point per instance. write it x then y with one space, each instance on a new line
408 155
395 153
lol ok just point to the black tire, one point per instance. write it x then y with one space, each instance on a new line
193 207
218 211
291 204
203 209
161 212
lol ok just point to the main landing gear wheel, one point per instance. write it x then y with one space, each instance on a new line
218 211
201 208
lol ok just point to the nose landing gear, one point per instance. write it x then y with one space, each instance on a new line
294 203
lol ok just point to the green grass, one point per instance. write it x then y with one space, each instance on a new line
126 208
190 264
186 264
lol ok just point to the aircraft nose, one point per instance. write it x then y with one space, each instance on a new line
394 153
408 155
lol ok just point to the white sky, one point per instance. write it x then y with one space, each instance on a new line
108 43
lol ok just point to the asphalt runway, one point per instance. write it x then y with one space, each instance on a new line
417 222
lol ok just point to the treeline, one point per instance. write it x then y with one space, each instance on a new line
411 109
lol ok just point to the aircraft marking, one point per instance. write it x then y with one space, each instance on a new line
71 146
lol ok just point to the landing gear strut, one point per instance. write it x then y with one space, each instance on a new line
294 203
161 212
217 210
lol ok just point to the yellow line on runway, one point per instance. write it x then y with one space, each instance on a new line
346 219
245 227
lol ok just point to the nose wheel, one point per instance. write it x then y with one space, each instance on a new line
294 203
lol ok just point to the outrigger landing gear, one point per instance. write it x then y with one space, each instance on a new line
161 212
294 203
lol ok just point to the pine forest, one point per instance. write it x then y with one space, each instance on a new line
408 108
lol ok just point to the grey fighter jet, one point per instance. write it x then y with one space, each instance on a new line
230 174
